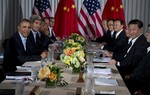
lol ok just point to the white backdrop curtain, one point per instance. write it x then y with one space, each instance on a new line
12 11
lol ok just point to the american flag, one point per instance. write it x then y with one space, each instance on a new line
89 21
42 8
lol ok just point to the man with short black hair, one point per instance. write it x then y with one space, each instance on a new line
50 22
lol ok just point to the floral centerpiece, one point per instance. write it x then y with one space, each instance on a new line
78 38
73 53
52 75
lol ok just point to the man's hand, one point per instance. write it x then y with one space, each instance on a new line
139 92
107 54
101 45
113 61
44 54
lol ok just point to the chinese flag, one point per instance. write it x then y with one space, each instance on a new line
65 19
113 10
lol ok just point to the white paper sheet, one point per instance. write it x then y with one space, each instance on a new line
106 82
101 60
105 71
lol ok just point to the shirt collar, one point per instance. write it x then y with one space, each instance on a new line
22 38
134 39
117 34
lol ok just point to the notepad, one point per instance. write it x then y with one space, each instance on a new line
18 75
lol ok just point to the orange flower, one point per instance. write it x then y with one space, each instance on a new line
43 72
52 76
69 51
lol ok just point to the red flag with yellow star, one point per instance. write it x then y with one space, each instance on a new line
65 18
113 10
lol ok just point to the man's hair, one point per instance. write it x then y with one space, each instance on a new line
120 20
149 25
51 18
139 23
33 18
47 18
110 20
24 20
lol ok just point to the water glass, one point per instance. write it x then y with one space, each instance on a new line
51 49
89 57
34 73
19 87
90 70
89 86
51 55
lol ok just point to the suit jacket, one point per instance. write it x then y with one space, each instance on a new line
140 79
106 38
142 71
118 44
45 41
17 54
134 56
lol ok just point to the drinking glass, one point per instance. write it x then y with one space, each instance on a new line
90 70
89 86
51 49
34 72
19 87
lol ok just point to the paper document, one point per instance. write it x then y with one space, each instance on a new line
106 82
105 71
101 60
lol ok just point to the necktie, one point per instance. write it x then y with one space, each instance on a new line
129 45
37 38
114 35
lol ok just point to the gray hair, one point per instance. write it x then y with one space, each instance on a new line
33 18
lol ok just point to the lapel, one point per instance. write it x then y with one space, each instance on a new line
19 42
31 38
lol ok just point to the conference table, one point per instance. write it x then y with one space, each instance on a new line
119 87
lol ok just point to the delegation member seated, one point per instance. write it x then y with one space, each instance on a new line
120 40
135 52
35 35
50 23
139 80
20 48
109 35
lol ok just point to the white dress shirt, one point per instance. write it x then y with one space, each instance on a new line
51 31
148 49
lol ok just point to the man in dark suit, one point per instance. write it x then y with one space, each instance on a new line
50 22
45 39
139 80
35 35
108 36
135 52
121 39
20 48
